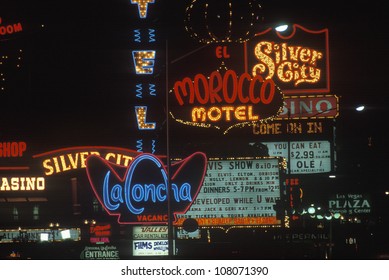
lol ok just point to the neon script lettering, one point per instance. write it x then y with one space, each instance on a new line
289 63
245 89
132 193
139 193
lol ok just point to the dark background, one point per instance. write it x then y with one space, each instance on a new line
76 85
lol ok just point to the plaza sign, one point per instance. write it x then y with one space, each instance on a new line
352 204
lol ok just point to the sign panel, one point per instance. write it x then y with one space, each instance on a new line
312 107
237 192
100 253
351 204
150 232
35 235
150 247
306 157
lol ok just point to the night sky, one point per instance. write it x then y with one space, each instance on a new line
72 88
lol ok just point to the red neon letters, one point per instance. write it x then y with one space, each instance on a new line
224 89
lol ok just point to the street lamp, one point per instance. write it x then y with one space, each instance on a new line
282 27
360 108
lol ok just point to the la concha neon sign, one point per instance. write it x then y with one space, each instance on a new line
139 193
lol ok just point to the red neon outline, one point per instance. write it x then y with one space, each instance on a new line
80 148
112 167
182 163
295 26
14 168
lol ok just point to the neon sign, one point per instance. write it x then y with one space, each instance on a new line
294 64
227 100
298 63
141 112
139 193
144 61
142 6
10 28
12 149
68 159
22 184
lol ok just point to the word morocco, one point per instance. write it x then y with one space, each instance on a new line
222 92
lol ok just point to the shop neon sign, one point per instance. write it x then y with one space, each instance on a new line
139 193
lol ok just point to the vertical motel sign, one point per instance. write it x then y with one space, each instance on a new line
144 59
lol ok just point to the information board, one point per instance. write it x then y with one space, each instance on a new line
237 192
306 157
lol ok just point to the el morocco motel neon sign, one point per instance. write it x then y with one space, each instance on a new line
274 65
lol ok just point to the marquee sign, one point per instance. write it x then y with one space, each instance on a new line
298 63
237 192
139 193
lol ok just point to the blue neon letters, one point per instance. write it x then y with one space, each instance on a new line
136 195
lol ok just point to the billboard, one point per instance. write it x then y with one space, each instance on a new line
306 157
350 204
237 192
